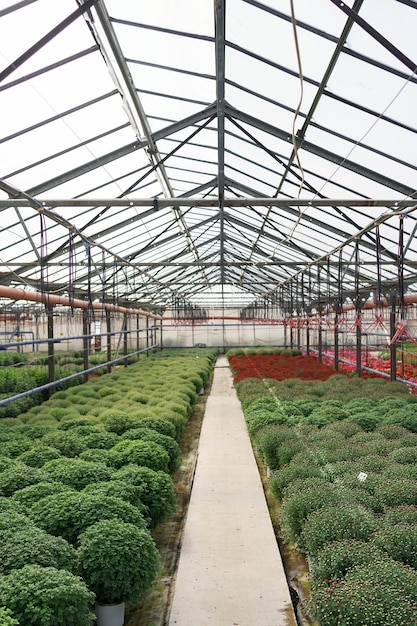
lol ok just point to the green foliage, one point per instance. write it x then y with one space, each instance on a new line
12 521
118 422
335 522
98 438
147 453
335 559
72 422
406 455
403 514
8 358
285 475
96 455
160 424
39 455
6 618
8 504
268 441
296 508
45 596
398 491
27 496
69 444
376 594
157 490
76 473
168 443
68 515
118 561
122 489
399 542
33 546
327 412
18 476
367 421
264 412
15 447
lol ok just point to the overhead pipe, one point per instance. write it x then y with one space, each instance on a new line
15 293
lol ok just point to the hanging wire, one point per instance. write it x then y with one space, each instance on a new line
297 110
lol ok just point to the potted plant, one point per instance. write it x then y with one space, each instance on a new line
46 596
118 562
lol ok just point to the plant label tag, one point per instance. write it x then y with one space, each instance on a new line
362 476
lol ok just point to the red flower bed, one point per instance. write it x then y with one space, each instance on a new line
279 367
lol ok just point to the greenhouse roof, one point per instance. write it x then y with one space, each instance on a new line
207 152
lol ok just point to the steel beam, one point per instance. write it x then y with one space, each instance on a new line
210 202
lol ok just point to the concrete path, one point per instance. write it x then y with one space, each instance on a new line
230 571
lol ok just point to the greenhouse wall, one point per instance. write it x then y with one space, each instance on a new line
221 331
68 328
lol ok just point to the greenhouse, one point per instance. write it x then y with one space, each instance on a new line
235 165
198 181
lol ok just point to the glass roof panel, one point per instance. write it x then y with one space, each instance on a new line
190 111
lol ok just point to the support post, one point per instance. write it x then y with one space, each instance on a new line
137 333
85 341
147 336
125 323
358 349
308 336
108 330
51 350
336 342
392 328
320 337
161 343
298 331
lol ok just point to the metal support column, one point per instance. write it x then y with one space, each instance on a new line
85 341
358 349
51 355
320 337
137 333
392 329
125 337
147 336
108 327
336 341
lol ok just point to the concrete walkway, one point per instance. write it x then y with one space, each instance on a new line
230 571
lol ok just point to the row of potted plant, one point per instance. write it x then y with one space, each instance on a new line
343 468
83 479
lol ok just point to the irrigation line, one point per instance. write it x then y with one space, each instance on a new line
25 394
61 339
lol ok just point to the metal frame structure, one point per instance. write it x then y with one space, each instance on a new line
207 156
